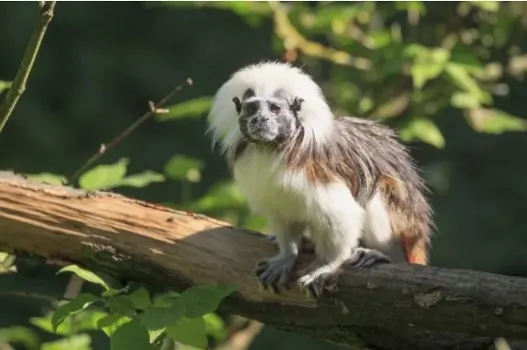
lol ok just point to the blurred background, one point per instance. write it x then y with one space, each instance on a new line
450 77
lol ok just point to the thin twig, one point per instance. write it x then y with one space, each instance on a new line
242 338
19 84
154 109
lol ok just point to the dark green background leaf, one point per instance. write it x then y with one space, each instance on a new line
131 336
189 331
201 300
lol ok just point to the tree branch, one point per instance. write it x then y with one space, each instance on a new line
384 307
18 86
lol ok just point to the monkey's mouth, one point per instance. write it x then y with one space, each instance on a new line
257 132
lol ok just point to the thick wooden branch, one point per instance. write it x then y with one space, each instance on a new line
385 307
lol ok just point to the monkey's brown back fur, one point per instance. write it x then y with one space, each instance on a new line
369 158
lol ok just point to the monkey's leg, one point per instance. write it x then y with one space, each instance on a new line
306 245
336 238
274 273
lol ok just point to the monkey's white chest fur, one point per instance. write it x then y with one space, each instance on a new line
270 189
283 195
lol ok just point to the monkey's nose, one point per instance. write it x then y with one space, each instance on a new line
252 107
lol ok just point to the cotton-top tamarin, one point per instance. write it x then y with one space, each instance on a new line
346 183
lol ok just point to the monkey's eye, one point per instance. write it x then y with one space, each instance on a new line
274 108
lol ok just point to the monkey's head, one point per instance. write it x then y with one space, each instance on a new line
267 119
270 103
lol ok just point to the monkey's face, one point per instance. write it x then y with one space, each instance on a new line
267 119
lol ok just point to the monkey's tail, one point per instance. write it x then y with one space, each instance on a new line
410 216
415 249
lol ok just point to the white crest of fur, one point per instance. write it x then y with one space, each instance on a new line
265 79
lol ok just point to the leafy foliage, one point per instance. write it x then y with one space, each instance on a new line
134 321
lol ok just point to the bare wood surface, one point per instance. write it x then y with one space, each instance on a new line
385 307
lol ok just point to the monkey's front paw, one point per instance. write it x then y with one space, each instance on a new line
274 273
317 277
364 257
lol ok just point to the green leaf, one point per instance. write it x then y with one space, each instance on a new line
85 275
182 167
411 6
81 302
140 298
21 335
74 342
4 85
380 39
201 300
121 305
166 299
424 130
83 321
131 335
220 196
157 318
462 56
255 222
461 77
104 176
52 179
493 121
188 109
153 335
189 331
140 180
327 16
215 326
113 292
414 50
464 100
490 6
428 64
109 324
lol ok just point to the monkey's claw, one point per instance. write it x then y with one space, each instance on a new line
316 287
316 277
364 257
274 273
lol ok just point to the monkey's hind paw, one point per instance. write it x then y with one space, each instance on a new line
364 257
317 277
275 273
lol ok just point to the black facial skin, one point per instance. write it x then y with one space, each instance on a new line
267 121
272 120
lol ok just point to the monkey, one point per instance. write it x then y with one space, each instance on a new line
346 183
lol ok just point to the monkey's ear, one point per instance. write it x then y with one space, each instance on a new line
237 104
248 93
296 106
